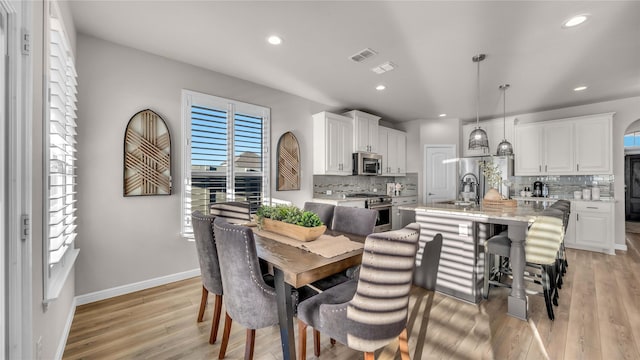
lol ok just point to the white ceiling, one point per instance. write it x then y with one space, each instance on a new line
431 42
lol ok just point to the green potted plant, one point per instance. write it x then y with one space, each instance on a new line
290 221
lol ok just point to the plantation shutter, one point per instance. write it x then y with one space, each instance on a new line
60 149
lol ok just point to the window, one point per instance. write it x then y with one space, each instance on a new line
225 155
59 148
632 139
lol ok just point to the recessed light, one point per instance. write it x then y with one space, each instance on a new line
580 88
575 20
442 115
274 40
380 87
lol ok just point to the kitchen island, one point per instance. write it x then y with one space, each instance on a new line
464 230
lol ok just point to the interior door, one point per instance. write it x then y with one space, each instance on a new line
632 187
440 174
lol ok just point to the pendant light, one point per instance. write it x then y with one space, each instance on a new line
505 147
478 138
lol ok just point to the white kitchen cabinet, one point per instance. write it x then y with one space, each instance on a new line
575 146
332 147
393 148
399 218
365 131
592 226
496 132
593 144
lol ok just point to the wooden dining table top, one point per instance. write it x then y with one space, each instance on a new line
301 267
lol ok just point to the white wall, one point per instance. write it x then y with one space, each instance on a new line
127 240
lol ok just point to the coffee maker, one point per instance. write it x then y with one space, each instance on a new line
537 189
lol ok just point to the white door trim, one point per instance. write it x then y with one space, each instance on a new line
18 297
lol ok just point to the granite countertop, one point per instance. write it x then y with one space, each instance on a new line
522 212
538 199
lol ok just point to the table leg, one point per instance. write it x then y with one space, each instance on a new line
285 315
517 302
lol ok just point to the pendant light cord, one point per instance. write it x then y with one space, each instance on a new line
504 113
478 95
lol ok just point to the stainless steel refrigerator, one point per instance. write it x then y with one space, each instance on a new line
471 179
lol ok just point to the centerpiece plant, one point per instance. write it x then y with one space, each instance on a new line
288 214
290 221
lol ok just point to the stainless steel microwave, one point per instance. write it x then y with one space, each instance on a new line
367 164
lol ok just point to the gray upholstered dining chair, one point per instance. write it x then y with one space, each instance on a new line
324 211
236 212
209 268
358 221
368 313
248 299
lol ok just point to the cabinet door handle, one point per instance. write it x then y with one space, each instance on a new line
592 207
398 170
545 168
577 167
540 168
577 217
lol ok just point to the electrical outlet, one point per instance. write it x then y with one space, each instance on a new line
328 192
39 348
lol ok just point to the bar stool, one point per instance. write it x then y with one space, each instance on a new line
500 246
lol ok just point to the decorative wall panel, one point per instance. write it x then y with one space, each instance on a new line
147 155
288 163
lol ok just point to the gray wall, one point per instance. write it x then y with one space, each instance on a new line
127 240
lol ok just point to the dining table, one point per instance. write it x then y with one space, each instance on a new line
293 268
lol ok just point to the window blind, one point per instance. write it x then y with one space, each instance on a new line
226 154
60 148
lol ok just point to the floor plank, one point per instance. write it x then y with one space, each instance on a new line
598 317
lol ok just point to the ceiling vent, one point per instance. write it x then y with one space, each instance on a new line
383 68
363 55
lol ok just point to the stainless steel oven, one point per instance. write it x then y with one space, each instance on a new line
383 206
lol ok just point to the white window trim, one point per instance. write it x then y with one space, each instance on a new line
18 288
189 98
54 277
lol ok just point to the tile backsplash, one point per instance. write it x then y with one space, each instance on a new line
564 186
337 186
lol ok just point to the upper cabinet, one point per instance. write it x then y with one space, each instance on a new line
496 131
392 146
332 144
365 131
575 146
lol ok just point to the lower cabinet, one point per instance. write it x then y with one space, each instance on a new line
402 218
591 227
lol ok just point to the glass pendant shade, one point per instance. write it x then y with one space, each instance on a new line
504 148
478 138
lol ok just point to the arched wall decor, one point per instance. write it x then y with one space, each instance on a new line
288 163
147 156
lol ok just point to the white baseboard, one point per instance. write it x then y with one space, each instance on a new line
66 330
129 288
621 247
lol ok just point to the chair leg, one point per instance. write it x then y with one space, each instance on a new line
248 346
203 303
404 345
302 340
547 293
216 319
316 342
487 272
225 335
369 356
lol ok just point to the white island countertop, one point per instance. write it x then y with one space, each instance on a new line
522 212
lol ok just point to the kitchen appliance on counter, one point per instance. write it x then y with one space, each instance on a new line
365 163
471 180
537 189
380 203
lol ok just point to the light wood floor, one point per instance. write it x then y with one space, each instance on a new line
598 318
